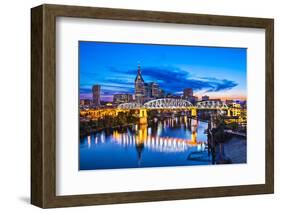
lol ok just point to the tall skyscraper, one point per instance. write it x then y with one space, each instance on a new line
155 90
152 90
187 92
96 95
139 87
147 88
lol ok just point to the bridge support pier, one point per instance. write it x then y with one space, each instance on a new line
228 112
193 112
143 116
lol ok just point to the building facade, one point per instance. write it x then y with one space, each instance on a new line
147 88
192 99
96 95
205 98
154 90
146 91
122 98
85 102
187 92
139 87
229 102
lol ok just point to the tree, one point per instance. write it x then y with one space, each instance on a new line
219 131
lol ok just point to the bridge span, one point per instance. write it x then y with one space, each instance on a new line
163 104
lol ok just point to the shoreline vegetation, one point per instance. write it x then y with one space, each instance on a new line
123 119
127 119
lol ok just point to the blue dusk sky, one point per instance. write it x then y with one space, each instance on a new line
219 72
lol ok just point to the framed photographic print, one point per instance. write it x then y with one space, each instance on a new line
136 106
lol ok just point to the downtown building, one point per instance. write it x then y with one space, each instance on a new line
122 98
139 87
187 92
96 95
153 91
205 98
146 91
188 95
85 102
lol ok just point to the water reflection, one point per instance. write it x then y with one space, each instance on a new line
156 142
165 142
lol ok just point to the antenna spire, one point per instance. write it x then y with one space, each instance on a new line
139 68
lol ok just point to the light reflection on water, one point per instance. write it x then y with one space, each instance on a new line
161 143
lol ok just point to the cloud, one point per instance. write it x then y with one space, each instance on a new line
175 80
219 84
172 80
223 85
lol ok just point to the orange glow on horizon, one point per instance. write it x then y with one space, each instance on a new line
223 98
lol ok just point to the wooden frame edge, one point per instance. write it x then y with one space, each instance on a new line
269 105
43 105
36 106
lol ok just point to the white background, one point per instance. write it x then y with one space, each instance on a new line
15 105
70 181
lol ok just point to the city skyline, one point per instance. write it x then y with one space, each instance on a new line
214 71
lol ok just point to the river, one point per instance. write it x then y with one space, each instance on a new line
178 141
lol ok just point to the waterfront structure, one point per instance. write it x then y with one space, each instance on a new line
96 95
205 98
122 98
139 87
236 109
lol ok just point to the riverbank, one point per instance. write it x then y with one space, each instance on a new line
236 150
99 129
